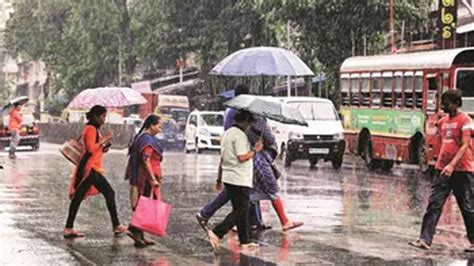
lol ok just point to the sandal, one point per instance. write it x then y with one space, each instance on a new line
292 225
214 240
469 249
120 230
70 233
421 244
202 221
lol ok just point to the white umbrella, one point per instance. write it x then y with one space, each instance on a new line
262 61
107 97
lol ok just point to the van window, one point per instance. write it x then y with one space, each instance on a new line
212 120
316 110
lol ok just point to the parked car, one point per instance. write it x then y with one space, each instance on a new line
323 138
171 137
29 134
204 130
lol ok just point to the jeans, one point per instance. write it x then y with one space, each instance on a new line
97 180
462 185
240 199
222 198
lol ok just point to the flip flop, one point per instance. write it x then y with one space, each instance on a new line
73 234
292 226
420 244
469 249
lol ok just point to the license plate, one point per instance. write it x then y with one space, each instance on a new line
318 151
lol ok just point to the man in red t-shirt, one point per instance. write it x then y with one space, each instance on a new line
14 126
454 171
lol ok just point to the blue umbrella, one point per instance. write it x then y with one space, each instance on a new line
262 61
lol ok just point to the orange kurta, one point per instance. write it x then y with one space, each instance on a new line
95 162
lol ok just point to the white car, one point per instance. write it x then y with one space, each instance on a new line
323 138
204 130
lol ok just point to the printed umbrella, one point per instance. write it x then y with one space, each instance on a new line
267 107
107 97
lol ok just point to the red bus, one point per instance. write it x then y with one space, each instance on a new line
390 103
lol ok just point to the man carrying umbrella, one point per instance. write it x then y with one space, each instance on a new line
14 126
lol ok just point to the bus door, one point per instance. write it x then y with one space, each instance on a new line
432 82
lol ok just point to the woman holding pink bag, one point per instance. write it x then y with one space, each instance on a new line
144 170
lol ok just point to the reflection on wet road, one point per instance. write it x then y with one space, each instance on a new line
351 216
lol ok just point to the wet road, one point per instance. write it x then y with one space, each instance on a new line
351 216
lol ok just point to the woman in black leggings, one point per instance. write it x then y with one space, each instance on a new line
88 178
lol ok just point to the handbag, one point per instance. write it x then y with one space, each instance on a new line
72 150
152 215
276 171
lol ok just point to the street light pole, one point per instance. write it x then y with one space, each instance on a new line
392 26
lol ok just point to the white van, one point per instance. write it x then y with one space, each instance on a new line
204 130
323 138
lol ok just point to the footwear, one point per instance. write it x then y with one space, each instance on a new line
12 156
262 227
213 239
69 233
120 230
292 225
202 221
250 245
147 242
421 244
139 243
469 249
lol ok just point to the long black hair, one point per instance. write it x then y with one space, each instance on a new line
151 120
94 113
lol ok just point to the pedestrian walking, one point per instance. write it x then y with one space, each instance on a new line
88 178
236 173
453 171
144 170
14 126
265 185
222 198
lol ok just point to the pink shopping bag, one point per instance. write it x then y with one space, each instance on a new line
152 215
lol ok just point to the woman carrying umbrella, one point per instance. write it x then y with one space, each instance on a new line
265 186
88 178
14 126
144 170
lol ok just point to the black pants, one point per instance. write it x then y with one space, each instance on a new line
97 180
240 199
462 185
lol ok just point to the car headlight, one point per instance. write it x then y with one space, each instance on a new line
339 136
204 132
295 135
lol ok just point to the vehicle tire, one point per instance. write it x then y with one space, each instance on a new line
313 163
386 165
370 162
421 155
36 146
286 157
337 162
198 151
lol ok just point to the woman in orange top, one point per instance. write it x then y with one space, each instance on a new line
89 175
14 125
144 169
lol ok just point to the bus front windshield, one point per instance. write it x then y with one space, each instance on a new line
465 84
315 110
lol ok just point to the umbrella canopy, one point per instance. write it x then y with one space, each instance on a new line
107 97
20 100
267 107
262 61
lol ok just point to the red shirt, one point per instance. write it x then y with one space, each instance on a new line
452 129
155 160
15 120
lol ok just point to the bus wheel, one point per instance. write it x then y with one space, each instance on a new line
386 165
421 155
370 162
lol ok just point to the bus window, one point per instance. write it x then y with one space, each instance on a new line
432 94
355 87
376 89
465 84
419 90
398 89
387 90
345 91
365 90
408 91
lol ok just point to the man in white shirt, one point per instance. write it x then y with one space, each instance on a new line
236 172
